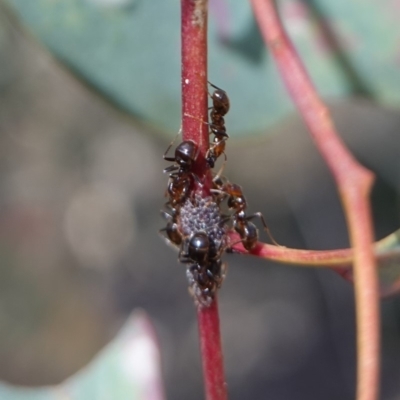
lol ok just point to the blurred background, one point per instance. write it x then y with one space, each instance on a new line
81 185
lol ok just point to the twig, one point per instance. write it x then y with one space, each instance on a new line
354 184
194 78
211 350
194 112
339 258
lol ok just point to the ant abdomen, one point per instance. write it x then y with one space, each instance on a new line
220 100
248 233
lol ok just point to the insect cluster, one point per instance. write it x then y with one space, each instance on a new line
196 224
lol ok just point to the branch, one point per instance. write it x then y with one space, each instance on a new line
211 351
354 184
339 258
194 79
194 112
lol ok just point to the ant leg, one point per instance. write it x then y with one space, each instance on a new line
197 179
184 260
229 247
161 231
259 215
167 216
221 198
170 145
219 173
225 219
166 239
170 208
183 255
171 167
218 279
217 191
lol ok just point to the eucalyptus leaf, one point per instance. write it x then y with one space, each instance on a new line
129 50
128 368
387 252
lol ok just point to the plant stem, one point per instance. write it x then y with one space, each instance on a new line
354 184
339 258
194 78
194 114
211 350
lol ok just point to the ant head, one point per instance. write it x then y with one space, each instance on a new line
186 153
199 245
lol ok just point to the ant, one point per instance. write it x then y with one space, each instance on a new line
220 108
207 269
205 280
181 176
247 231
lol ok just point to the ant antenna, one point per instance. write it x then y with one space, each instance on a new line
170 145
259 215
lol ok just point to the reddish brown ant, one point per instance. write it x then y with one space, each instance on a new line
219 108
181 175
247 231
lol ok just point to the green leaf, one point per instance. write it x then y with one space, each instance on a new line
128 368
129 50
388 253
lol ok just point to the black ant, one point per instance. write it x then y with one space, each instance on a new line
247 231
205 280
220 108
207 269
181 175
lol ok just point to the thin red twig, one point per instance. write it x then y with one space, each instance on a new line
211 350
339 258
354 184
194 112
194 78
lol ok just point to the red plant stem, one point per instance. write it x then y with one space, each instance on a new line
194 78
211 351
339 258
194 114
354 184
